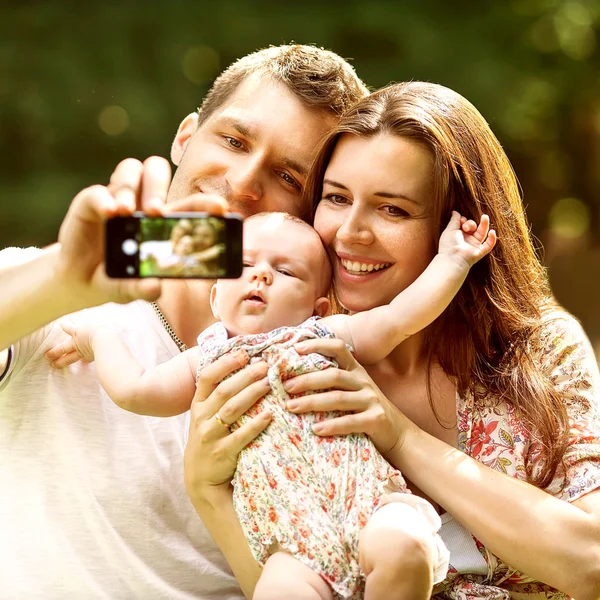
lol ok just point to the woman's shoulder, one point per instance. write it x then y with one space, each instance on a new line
564 349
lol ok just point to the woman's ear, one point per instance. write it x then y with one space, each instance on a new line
213 301
186 130
321 307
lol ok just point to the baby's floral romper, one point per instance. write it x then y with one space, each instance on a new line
296 491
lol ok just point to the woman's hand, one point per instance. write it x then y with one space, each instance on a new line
348 388
212 450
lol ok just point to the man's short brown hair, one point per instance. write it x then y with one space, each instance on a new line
319 78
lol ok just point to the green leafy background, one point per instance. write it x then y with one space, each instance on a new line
85 85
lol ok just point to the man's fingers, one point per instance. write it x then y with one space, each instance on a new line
93 205
156 177
210 203
125 185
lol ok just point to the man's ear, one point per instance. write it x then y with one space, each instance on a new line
186 130
213 300
321 307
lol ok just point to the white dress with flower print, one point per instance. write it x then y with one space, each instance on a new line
491 432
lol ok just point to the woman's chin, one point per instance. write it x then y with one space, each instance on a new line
355 302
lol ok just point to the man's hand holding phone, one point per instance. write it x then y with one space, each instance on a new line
80 263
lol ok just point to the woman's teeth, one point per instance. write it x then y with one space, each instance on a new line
356 267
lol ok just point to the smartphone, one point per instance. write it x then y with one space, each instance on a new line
181 245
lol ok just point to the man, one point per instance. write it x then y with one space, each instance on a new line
93 502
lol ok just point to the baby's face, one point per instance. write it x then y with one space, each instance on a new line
285 274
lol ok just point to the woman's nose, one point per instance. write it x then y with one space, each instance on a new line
355 229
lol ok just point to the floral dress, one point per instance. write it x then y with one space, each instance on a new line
296 491
491 432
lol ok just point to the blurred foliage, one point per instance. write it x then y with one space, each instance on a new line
87 84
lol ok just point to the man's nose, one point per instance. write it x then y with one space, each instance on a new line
244 179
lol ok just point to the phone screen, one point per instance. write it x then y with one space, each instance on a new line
174 246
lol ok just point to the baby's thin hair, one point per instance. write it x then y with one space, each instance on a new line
299 221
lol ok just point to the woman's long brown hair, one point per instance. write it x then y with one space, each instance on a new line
486 338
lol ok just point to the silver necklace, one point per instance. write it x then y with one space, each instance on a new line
182 347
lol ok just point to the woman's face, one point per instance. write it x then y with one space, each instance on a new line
375 217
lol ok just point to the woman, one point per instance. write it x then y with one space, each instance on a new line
491 412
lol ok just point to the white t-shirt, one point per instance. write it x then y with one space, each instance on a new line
92 499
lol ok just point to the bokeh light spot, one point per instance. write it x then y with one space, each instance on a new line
200 64
113 120
569 218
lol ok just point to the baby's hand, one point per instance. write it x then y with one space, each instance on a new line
464 240
78 347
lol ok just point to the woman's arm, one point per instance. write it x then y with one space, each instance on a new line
220 519
549 539
212 452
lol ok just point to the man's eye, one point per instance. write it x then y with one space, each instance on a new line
290 180
233 142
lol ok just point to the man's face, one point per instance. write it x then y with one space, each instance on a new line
255 150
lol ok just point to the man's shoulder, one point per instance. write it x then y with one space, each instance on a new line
12 256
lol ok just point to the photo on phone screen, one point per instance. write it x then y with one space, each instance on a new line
174 246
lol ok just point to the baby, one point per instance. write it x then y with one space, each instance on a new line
295 492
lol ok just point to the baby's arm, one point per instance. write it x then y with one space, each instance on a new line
375 333
162 391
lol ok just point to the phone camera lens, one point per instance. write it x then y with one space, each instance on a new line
130 270
129 247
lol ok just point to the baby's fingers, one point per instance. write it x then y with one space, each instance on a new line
490 242
481 232
66 359
61 349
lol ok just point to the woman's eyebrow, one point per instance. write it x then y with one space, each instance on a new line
380 194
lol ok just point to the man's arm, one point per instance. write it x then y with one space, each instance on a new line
69 275
32 296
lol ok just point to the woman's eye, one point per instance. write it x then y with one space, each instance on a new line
395 211
246 264
335 199
290 180
233 142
